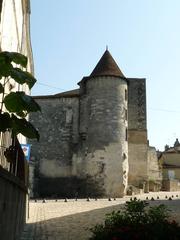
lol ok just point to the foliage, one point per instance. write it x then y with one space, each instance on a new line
18 105
136 221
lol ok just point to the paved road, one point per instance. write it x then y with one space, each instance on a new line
71 220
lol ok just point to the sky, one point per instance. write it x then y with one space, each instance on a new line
143 36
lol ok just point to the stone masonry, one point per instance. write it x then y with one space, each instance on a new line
93 139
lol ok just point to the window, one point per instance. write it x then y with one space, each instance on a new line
126 115
126 94
126 135
171 174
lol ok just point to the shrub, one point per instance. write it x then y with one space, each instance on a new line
137 221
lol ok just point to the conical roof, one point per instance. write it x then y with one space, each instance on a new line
107 67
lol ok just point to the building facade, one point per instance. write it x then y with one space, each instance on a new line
93 139
14 37
169 161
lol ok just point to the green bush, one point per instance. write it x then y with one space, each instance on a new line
137 221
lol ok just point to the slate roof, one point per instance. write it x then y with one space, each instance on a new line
71 93
107 67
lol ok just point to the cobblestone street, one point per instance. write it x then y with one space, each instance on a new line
71 220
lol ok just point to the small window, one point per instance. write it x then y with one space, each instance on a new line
126 114
125 94
126 135
171 174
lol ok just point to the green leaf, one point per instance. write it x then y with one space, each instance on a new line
5 122
19 102
18 58
4 58
15 57
24 127
22 77
5 69
1 88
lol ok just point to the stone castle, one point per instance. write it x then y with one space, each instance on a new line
93 139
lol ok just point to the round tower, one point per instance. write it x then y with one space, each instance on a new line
103 129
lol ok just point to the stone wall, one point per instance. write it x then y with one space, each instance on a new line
52 155
83 147
171 185
137 132
137 104
175 170
12 206
154 170
103 155
87 147
137 164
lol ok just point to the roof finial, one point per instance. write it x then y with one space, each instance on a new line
106 47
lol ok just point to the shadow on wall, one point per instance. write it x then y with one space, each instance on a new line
67 187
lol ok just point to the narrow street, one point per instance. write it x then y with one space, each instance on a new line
71 220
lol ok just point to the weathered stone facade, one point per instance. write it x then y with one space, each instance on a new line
154 171
137 132
93 139
103 150
169 161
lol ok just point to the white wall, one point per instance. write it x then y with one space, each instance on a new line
15 36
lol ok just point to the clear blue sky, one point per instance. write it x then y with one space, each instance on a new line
143 36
